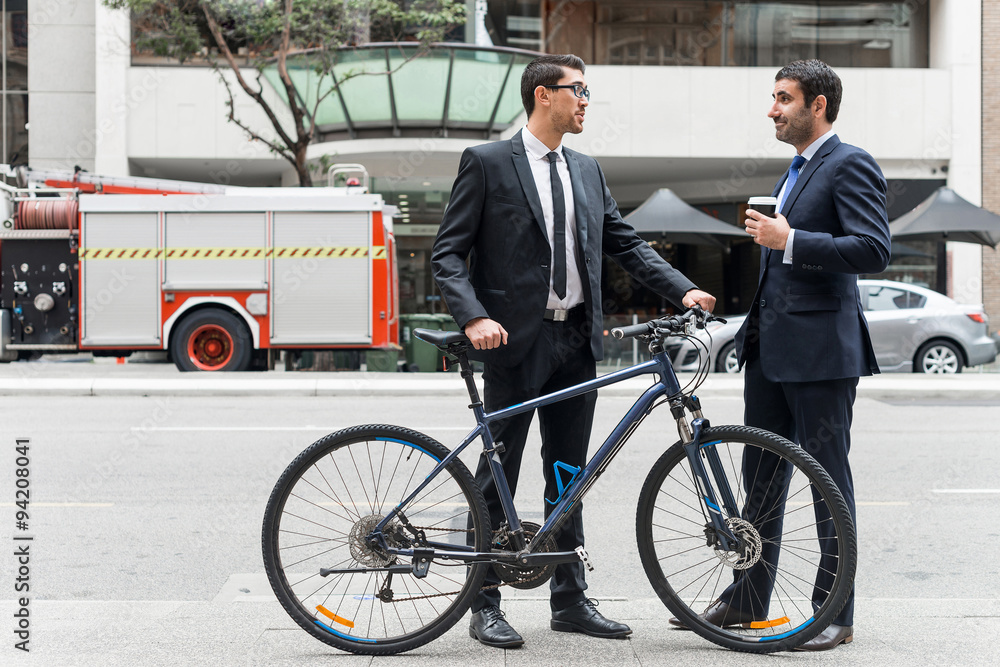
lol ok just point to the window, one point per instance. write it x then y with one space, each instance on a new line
756 34
890 298
14 78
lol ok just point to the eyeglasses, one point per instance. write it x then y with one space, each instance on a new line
578 90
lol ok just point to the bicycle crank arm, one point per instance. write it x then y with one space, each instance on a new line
326 572
507 557
551 558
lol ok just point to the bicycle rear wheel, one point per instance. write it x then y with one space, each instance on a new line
788 506
323 508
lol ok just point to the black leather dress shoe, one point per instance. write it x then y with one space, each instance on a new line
832 637
721 614
584 617
489 627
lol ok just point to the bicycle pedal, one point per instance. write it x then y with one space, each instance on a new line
582 553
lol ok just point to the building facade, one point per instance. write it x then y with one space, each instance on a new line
680 94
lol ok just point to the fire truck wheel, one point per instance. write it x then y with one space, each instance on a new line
211 340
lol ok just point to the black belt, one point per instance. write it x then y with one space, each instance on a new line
563 315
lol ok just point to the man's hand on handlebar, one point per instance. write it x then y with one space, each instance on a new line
696 297
485 334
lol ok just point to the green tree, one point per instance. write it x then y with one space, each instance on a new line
249 36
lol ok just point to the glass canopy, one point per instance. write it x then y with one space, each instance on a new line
392 89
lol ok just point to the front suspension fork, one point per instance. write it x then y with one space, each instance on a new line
697 453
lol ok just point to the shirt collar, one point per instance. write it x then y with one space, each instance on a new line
812 148
535 148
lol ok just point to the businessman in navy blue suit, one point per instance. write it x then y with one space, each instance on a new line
805 342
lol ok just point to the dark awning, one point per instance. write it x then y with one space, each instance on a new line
667 215
944 216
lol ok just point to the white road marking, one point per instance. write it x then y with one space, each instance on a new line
285 428
35 504
965 490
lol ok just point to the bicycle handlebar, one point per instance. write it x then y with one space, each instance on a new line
672 324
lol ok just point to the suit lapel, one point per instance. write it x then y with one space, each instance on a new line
579 200
808 171
765 252
523 169
804 176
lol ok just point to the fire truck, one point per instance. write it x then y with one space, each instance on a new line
220 277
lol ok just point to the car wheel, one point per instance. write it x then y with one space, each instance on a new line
727 361
938 356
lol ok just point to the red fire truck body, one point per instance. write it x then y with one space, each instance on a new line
218 276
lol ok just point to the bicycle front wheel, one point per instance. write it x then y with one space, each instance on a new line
793 568
320 514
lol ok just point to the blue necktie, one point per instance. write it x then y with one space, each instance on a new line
793 176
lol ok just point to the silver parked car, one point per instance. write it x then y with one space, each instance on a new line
912 329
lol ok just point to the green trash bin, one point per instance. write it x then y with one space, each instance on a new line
382 359
421 356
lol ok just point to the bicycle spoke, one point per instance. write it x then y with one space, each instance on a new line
777 557
327 515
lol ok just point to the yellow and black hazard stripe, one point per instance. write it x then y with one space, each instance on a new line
333 252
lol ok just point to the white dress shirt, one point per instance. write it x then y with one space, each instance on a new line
808 154
537 153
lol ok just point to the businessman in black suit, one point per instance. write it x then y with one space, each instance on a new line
805 342
533 219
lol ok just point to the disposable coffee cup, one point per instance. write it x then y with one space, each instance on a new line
764 205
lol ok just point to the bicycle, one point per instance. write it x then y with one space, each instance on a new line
376 538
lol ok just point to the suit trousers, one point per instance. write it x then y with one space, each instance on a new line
559 357
817 416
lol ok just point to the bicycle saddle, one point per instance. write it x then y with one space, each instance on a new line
441 339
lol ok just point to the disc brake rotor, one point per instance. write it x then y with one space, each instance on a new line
361 551
750 545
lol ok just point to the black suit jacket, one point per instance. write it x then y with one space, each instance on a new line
494 219
807 316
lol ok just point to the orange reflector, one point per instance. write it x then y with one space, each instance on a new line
757 625
337 619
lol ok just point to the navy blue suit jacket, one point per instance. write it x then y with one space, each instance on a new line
806 318
494 219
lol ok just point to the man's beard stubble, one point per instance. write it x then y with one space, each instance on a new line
798 128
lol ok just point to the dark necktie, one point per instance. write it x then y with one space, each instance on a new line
558 227
793 176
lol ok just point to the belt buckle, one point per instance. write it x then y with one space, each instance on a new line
560 315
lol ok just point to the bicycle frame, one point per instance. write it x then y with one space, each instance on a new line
667 385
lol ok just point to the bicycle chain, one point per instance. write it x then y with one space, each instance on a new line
484 588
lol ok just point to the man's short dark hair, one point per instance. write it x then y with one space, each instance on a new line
815 78
545 71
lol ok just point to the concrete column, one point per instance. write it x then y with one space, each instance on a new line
113 57
61 80
991 154
955 45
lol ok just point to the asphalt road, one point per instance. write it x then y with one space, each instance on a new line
146 514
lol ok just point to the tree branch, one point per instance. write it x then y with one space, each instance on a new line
302 135
283 151
257 97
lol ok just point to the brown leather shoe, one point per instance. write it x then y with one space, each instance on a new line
832 637
721 614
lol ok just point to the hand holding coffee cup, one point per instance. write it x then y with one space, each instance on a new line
767 227
766 205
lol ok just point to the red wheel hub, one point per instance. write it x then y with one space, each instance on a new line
210 347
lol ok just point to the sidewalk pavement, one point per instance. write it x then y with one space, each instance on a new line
87 378
254 632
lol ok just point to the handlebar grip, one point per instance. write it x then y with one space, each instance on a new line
631 331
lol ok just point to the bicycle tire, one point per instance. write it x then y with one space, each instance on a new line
689 574
324 505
